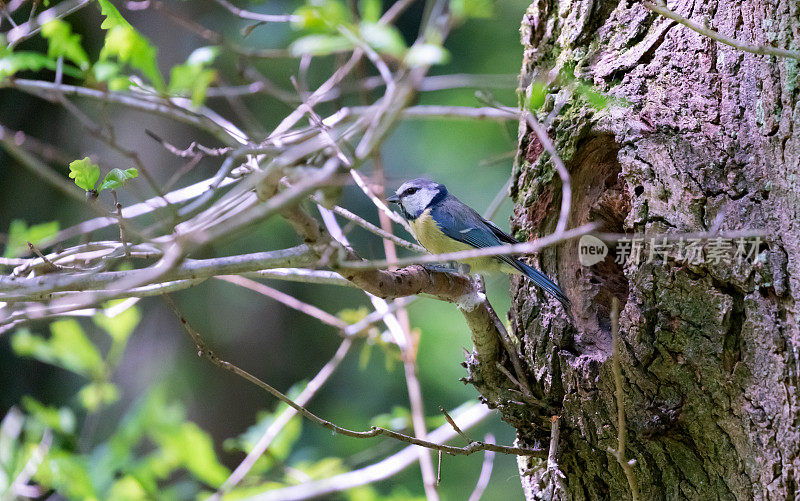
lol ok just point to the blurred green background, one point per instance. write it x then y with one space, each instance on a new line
278 345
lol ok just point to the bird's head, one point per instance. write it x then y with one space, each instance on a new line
416 195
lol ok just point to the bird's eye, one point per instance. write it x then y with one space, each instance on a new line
411 191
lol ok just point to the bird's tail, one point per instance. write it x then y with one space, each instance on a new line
545 283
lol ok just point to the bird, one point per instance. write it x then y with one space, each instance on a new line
442 223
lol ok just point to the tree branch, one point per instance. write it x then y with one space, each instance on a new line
374 431
622 430
660 8
38 288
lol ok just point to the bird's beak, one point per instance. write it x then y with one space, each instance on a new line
394 199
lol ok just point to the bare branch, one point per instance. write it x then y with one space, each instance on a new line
33 26
661 8
622 430
374 431
288 300
486 472
498 250
382 470
280 422
246 14
37 288
461 112
566 190
45 90
454 425
374 229
302 275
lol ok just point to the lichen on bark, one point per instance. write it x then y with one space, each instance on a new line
702 137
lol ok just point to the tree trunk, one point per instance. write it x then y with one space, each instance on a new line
703 137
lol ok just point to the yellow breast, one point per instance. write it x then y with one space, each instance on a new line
428 234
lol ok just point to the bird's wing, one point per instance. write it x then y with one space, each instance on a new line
459 222
501 235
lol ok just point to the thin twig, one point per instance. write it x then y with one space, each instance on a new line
282 420
45 90
566 190
622 430
47 262
499 250
454 425
374 431
662 9
439 470
122 238
33 26
374 229
382 207
458 112
191 151
498 199
381 470
486 472
288 300
255 16
16 289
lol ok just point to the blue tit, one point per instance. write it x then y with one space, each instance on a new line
442 223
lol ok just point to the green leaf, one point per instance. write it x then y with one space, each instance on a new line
128 45
426 55
93 396
370 10
384 38
85 173
320 45
281 445
353 315
63 43
68 347
58 419
109 72
13 62
323 468
194 77
364 355
73 348
128 488
463 9
398 419
121 326
192 448
67 474
19 234
536 96
116 178
322 17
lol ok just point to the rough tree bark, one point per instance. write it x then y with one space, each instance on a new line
710 352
